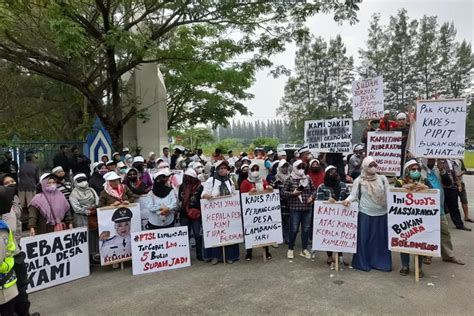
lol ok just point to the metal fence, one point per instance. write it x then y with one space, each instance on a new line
44 151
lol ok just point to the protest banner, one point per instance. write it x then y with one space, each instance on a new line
386 149
56 258
160 250
143 201
262 219
329 136
222 221
115 226
414 222
367 98
440 128
335 227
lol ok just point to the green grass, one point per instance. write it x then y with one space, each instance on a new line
469 159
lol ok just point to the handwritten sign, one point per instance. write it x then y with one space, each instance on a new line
440 128
160 250
414 222
367 99
329 136
386 149
222 221
115 239
262 219
56 258
335 227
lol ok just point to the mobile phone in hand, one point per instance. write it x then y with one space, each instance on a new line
300 188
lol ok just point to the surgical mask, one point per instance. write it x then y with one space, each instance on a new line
50 188
82 184
123 171
255 174
300 172
372 170
415 174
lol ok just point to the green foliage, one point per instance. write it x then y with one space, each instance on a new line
418 58
319 87
470 122
89 45
266 142
193 137
225 145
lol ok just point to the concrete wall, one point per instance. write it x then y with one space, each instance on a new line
147 85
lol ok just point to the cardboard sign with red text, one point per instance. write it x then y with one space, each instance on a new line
386 149
335 227
414 222
222 221
160 250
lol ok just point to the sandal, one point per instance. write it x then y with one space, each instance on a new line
469 220
427 260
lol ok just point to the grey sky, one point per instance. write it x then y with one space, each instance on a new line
268 91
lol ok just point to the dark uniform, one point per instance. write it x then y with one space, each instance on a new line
118 248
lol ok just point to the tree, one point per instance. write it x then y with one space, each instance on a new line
320 85
401 71
426 56
194 137
374 58
90 45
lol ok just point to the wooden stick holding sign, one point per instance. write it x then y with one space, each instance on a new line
417 268
223 255
337 261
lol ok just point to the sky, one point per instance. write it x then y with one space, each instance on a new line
268 91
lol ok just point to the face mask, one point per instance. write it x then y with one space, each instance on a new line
82 184
284 171
102 172
315 169
50 188
255 174
132 178
60 178
198 170
300 172
123 171
415 175
431 166
372 170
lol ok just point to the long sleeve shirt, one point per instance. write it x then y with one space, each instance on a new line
154 204
366 204
297 203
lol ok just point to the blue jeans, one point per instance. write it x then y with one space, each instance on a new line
285 227
406 260
298 218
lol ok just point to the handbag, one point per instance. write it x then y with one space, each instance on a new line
59 226
193 213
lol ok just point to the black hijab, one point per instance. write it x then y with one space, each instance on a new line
333 183
160 189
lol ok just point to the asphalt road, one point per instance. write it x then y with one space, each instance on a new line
277 287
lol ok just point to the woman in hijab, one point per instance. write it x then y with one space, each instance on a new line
253 184
144 176
96 181
412 180
220 185
332 190
133 182
172 180
371 191
162 204
48 208
283 173
84 201
115 193
243 174
298 190
190 197
316 172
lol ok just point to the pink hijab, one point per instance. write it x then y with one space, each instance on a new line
51 204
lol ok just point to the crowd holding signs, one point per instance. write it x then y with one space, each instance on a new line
410 215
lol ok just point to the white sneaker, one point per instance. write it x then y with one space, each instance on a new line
290 254
305 253
313 255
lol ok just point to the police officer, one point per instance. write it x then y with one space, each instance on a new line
118 247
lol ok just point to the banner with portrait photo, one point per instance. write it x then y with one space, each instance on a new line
115 227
